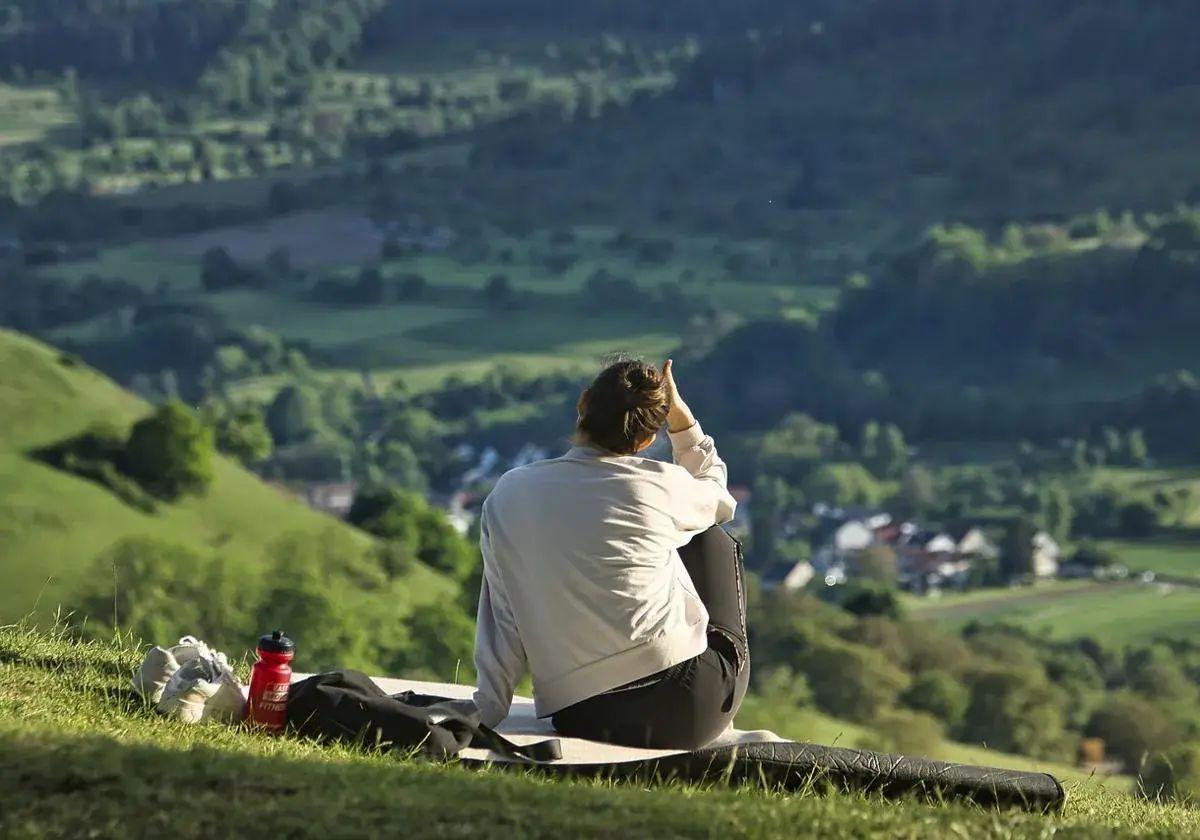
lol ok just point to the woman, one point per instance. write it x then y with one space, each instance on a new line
584 584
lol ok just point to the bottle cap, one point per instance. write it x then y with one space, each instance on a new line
276 642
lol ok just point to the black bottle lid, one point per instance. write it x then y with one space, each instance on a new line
276 642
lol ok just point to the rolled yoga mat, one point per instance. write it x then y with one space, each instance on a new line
758 757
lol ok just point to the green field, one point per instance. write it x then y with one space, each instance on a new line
29 113
1115 614
52 524
453 330
78 755
1163 556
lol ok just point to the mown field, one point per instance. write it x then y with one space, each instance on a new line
79 755
1113 613
53 524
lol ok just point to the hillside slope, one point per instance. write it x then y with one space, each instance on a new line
79 754
53 524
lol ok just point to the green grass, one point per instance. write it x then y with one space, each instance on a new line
29 113
53 524
1164 556
80 756
142 264
1116 614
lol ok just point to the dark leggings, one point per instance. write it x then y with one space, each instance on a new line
689 704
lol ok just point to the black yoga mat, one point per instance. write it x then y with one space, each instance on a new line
791 766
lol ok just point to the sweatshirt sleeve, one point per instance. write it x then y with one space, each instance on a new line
499 654
705 501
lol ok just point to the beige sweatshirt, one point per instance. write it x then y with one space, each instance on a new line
583 585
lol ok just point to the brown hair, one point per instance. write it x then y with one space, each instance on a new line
626 404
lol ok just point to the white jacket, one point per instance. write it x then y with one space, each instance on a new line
582 582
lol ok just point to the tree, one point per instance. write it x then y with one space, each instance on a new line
405 517
851 681
279 263
441 641
868 599
370 288
1015 710
498 293
1016 551
1137 519
134 585
795 446
891 452
219 270
399 461
1173 774
411 287
842 484
294 416
868 443
170 453
243 434
766 517
918 492
1057 511
1093 556
1133 729
876 563
909 733
1136 448
939 694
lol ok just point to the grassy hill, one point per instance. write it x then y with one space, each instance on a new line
53 524
79 755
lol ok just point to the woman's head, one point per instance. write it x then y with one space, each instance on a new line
624 407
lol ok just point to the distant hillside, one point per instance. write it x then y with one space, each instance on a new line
53 525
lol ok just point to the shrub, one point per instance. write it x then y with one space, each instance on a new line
1016 710
909 733
295 415
1137 519
170 453
1174 774
1133 728
851 681
939 694
146 586
243 434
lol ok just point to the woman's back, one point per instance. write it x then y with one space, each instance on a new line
583 585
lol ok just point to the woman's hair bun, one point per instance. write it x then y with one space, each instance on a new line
626 404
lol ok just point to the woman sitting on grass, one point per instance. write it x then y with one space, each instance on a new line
584 584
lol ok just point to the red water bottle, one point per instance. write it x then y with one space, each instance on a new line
269 682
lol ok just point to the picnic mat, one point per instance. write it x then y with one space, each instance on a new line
758 757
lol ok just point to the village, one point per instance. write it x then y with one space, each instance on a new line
848 543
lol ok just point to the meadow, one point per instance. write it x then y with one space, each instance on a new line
54 524
79 753
1117 614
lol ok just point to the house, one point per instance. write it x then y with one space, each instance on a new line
930 560
1046 556
789 578
332 497
843 544
973 543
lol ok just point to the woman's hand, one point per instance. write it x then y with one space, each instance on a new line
680 416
